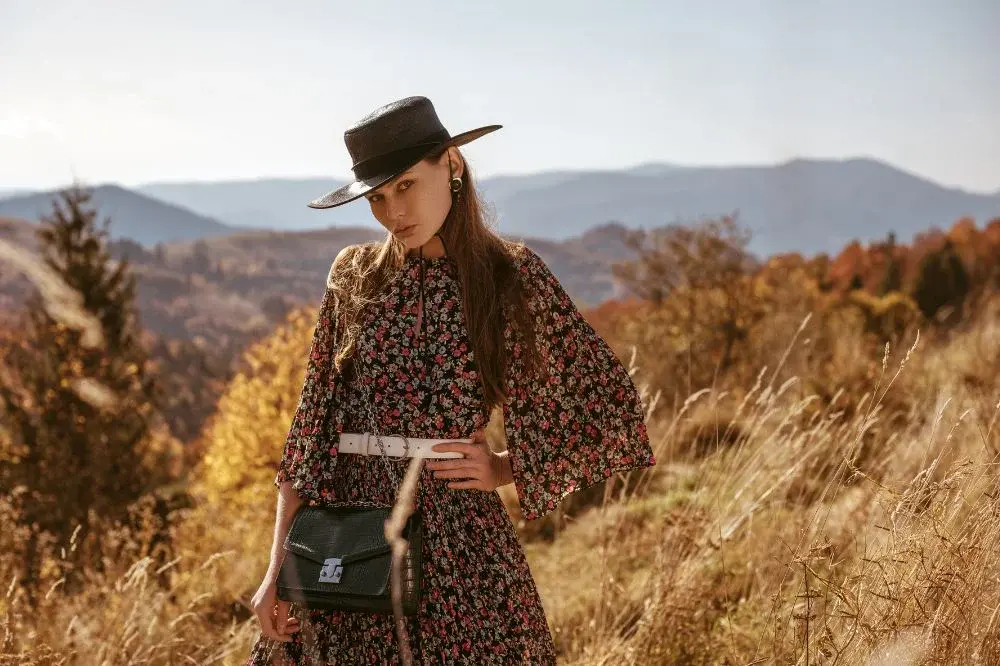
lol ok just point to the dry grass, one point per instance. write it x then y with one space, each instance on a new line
781 547
778 528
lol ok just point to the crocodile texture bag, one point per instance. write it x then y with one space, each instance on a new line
337 558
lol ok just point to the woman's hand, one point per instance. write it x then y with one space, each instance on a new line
272 613
483 469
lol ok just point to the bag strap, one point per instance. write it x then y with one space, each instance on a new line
427 393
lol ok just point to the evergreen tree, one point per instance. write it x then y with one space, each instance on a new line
78 412
942 281
892 279
200 260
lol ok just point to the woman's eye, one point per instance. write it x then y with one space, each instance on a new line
405 184
374 198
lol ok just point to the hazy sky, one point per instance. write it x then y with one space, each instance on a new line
137 91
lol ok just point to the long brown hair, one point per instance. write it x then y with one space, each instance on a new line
485 265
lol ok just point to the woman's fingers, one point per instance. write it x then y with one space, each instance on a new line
264 607
276 624
478 443
458 463
281 620
455 474
456 447
474 466
467 485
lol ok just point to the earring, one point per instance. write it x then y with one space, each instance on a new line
456 186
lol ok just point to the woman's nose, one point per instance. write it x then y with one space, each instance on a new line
395 209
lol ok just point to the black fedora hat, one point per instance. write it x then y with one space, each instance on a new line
390 140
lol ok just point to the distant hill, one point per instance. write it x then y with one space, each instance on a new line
802 205
274 204
17 231
280 204
141 218
227 290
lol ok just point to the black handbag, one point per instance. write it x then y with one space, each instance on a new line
337 557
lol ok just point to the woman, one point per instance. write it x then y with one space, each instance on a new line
433 328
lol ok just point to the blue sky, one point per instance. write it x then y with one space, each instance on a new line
134 92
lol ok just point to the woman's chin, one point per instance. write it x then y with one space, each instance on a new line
411 241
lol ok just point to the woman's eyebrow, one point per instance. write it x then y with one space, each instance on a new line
392 183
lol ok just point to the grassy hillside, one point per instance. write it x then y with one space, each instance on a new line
829 495
760 537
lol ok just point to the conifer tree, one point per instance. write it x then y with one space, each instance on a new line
892 279
942 281
78 414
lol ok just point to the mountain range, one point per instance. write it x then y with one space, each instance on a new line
133 215
803 205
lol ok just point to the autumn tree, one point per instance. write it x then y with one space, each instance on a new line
700 279
77 404
193 376
244 438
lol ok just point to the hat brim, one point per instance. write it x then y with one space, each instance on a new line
360 187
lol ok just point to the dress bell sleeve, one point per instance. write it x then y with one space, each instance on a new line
582 423
309 454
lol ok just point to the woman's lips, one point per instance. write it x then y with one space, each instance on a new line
405 231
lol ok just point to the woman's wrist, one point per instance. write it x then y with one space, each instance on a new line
504 474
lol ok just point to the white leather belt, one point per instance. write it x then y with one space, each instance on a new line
367 444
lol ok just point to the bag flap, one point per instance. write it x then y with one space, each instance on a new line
351 534
319 556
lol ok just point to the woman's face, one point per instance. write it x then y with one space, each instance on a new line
413 205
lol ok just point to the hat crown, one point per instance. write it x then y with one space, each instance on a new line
391 139
397 125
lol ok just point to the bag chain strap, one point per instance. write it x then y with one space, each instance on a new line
371 415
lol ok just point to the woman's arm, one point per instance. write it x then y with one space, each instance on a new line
272 613
503 471
288 503
582 419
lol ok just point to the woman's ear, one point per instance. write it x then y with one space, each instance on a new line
452 155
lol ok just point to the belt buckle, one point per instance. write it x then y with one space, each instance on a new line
367 444
406 450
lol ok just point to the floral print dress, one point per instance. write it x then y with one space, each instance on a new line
479 603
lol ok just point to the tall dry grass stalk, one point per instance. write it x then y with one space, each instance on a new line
401 512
